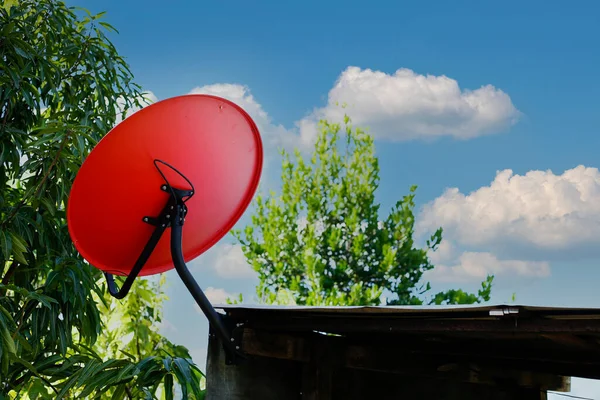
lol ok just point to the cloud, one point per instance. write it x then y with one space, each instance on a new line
476 266
400 106
230 262
215 296
227 260
272 134
538 211
406 105
445 252
454 266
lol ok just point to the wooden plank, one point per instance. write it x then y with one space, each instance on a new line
317 377
574 342
390 360
444 367
326 368
355 385
257 378
275 345
345 324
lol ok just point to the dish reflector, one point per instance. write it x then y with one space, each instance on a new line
213 142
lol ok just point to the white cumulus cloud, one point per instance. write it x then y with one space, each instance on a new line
539 210
399 106
476 266
230 262
227 260
406 105
275 135
216 296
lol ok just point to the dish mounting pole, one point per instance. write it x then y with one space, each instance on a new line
173 216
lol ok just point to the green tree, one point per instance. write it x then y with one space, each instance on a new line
132 330
62 86
321 240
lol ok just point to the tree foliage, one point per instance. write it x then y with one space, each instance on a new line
321 240
152 363
62 86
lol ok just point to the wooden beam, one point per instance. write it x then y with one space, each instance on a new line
346 324
386 358
275 345
574 342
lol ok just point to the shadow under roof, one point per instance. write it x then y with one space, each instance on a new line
555 340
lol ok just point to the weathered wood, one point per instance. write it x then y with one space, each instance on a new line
317 377
386 359
444 367
371 324
317 367
256 378
275 345
575 342
550 341
356 384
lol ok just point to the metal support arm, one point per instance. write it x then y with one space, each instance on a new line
173 216
142 259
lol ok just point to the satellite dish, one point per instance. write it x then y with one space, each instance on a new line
192 161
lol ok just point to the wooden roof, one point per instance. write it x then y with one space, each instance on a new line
544 340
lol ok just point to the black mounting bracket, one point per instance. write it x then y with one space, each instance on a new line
173 216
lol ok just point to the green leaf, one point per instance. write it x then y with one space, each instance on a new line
8 4
89 370
68 385
168 385
14 77
120 392
21 53
108 26
27 365
182 379
184 367
19 244
6 244
8 344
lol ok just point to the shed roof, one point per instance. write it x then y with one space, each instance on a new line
560 341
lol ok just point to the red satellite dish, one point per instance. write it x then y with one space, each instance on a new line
210 140
196 153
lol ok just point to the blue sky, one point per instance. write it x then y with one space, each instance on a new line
286 62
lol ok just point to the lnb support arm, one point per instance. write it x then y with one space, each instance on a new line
173 216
